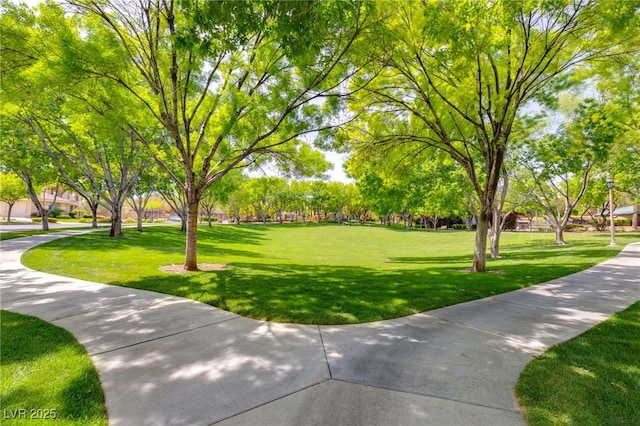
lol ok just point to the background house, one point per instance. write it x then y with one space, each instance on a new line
65 202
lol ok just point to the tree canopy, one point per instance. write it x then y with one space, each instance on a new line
454 76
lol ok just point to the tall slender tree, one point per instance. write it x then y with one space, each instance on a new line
454 75
229 83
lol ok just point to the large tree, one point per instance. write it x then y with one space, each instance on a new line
80 126
228 83
454 75
621 87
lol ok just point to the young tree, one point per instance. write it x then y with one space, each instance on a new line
219 193
562 164
173 194
230 83
300 198
12 190
455 75
140 194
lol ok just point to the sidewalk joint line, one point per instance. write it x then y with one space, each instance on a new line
324 349
430 395
271 401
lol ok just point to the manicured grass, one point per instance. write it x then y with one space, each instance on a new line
27 233
321 274
46 375
591 380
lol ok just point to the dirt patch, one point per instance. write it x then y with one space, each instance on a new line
202 267
496 271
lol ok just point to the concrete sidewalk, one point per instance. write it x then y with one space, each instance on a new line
164 360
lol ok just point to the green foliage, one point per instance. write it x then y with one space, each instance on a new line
90 220
12 189
39 220
44 367
322 274
456 75
54 212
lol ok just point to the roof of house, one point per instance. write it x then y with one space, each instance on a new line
624 210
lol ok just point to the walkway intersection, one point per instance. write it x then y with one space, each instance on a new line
165 360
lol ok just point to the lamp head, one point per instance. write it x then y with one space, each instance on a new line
610 182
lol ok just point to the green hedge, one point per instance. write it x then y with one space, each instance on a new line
100 220
39 220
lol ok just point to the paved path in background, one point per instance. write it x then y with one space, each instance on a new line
164 360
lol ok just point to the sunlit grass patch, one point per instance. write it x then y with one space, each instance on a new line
593 379
321 274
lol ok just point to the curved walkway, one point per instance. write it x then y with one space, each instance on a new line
164 360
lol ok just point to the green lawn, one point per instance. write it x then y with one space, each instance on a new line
593 379
27 233
46 376
321 274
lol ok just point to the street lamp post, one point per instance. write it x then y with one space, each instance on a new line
613 226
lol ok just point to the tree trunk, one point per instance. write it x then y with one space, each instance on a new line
45 220
116 222
9 212
139 221
559 230
480 250
494 238
191 258
94 216
495 230
26 178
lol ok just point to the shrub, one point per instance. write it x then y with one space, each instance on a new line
64 217
461 226
130 220
39 220
55 212
622 222
87 216
72 215
100 220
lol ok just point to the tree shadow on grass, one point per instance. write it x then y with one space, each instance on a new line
20 332
164 240
320 294
31 346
